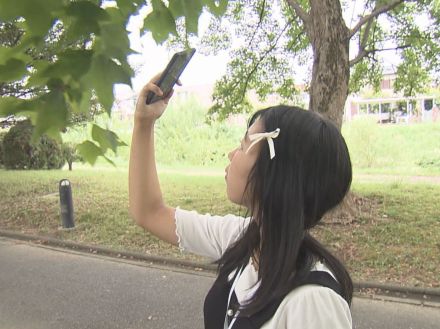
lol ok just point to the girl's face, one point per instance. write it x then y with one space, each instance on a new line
240 166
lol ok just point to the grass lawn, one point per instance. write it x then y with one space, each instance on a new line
395 237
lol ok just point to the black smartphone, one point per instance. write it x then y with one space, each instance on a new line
171 74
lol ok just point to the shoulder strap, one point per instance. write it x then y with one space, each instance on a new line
321 278
324 279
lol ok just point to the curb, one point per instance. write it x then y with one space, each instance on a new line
44 240
427 296
435 292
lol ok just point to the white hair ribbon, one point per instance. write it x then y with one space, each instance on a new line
255 138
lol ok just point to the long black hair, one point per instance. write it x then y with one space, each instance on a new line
309 175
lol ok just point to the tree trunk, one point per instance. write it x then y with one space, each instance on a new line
330 40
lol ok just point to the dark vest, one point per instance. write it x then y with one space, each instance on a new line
217 298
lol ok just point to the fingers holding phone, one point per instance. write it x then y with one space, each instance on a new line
155 110
156 94
170 76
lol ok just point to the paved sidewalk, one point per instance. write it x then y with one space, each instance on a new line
46 287
412 295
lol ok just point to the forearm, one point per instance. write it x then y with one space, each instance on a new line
145 195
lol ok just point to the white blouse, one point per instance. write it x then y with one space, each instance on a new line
306 307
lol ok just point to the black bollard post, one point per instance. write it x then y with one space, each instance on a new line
66 204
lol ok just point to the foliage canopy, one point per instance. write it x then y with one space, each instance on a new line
60 57
268 41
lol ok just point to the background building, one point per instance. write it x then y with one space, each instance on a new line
390 107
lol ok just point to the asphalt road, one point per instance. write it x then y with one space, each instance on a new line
49 288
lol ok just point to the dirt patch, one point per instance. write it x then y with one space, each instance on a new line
353 208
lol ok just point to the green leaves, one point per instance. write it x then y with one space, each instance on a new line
113 40
13 69
86 17
107 139
366 72
38 14
71 64
217 10
51 114
190 9
412 77
13 105
261 65
89 151
129 6
62 53
160 22
59 58
104 73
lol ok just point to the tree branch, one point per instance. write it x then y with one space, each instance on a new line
364 39
362 44
365 53
376 12
299 11
260 60
263 7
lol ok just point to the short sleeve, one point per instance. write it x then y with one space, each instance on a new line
208 235
312 307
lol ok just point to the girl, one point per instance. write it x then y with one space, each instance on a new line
291 167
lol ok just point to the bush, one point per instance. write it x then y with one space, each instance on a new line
20 153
